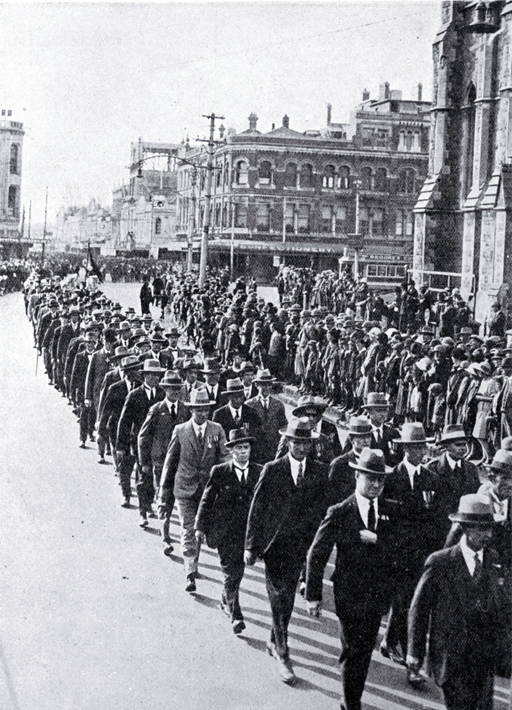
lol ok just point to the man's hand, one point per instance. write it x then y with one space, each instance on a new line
314 609
413 662
200 536
87 402
249 558
120 455
146 469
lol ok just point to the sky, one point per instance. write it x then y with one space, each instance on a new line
88 79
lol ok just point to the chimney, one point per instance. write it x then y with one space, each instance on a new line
366 95
420 91
286 121
384 91
329 111
222 129
273 126
253 120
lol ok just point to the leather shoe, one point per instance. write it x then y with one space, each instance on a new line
284 665
151 513
143 521
168 548
125 503
191 583
224 607
82 445
415 679
393 653
238 626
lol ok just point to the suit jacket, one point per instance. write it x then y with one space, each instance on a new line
109 379
225 503
132 417
342 480
392 452
98 367
66 336
271 421
79 375
111 409
156 432
324 449
250 420
443 602
363 575
274 498
187 467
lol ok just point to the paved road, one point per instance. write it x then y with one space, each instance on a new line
95 617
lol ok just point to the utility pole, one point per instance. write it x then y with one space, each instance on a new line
44 227
29 218
191 221
208 198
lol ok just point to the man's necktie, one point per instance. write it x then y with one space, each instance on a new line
200 438
477 574
238 419
415 477
300 474
371 516
173 411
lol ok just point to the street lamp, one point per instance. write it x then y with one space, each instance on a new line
355 240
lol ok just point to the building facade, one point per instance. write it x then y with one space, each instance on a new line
300 197
463 215
11 152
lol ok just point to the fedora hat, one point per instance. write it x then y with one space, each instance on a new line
152 367
234 386
475 509
502 462
247 366
131 362
376 400
299 428
306 403
211 364
199 398
188 363
124 325
157 337
371 461
173 333
119 353
239 436
264 376
452 432
360 426
413 433
484 368
171 379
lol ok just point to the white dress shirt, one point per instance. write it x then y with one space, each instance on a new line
363 505
411 470
241 472
452 463
199 430
295 467
235 413
469 555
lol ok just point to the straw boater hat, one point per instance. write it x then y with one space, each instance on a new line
299 428
264 377
152 367
371 461
307 403
413 433
234 386
474 509
376 400
172 380
360 426
239 436
200 398
451 433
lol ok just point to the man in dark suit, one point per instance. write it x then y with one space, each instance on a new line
111 409
196 446
457 475
212 372
72 330
416 490
364 528
222 518
99 365
341 476
135 409
172 352
289 503
459 603
272 416
377 407
154 438
236 414
77 386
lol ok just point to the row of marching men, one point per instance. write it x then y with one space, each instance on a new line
386 508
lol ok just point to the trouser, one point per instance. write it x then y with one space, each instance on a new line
396 631
472 690
47 359
87 421
144 487
164 531
125 468
190 548
231 558
283 566
358 636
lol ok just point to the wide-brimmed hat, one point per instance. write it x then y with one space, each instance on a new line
264 377
147 317
234 386
199 398
360 426
188 363
413 433
124 325
211 365
371 461
119 353
152 367
299 428
451 433
246 366
173 332
484 368
376 400
474 509
239 436
307 403
502 462
157 338
131 362
171 379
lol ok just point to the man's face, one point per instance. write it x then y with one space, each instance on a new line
378 415
457 449
264 388
90 345
247 378
156 346
501 484
359 442
298 448
108 345
241 453
415 453
314 416
172 393
236 400
478 537
212 378
173 341
368 485
200 414
151 379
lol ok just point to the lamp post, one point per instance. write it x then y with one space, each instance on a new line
355 239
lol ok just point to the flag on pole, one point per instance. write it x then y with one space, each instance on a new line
94 266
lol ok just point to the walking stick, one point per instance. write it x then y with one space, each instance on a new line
37 361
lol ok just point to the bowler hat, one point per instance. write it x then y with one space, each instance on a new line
200 398
376 400
502 462
359 426
307 403
451 433
412 433
152 367
299 428
171 379
371 461
239 436
474 509
264 376
234 386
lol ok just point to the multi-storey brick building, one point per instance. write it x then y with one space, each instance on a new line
298 196
11 147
